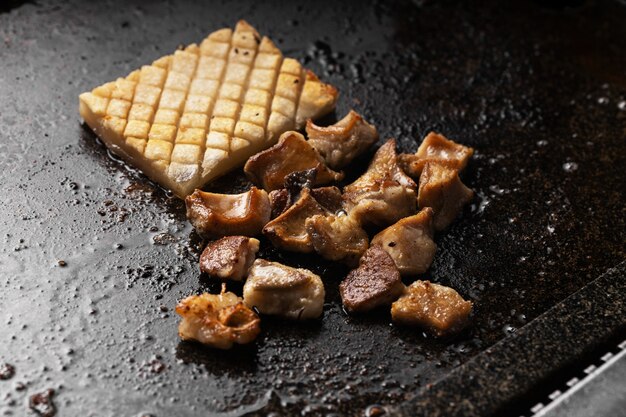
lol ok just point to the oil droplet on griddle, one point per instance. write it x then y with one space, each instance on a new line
570 166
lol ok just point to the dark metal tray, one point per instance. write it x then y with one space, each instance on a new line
539 91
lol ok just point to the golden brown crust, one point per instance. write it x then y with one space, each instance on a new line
340 143
409 242
220 215
268 169
438 309
441 188
217 320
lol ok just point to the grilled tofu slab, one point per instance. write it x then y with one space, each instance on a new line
202 111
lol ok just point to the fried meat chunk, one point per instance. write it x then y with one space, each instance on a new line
438 309
276 289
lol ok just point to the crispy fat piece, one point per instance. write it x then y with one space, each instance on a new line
337 237
441 188
277 289
435 148
217 320
217 215
438 309
268 169
229 257
410 243
340 143
374 283
196 114
384 193
288 230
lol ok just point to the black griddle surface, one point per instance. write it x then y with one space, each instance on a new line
539 92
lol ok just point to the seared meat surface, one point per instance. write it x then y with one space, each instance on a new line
328 197
436 308
217 215
384 193
276 289
374 283
292 153
409 242
217 320
288 230
229 257
337 237
435 148
441 188
340 143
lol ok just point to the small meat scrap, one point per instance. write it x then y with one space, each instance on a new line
384 193
337 237
292 153
340 143
7 371
328 197
438 309
410 243
42 404
217 215
217 320
435 148
374 283
441 188
229 257
288 230
276 289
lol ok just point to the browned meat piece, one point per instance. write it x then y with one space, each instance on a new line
409 242
229 257
217 320
329 197
442 189
280 200
277 289
374 283
436 308
337 237
288 231
435 148
340 143
384 193
292 153
217 215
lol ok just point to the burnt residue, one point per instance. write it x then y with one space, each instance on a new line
42 404
545 110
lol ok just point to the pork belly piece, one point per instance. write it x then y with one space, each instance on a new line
374 283
441 188
409 242
438 309
217 215
217 320
288 230
337 237
384 193
229 257
292 153
197 113
276 289
340 143
435 148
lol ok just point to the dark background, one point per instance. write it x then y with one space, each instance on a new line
538 89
